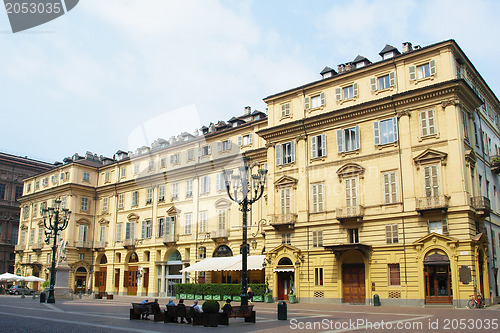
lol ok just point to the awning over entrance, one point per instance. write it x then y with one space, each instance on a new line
338 250
226 264
284 270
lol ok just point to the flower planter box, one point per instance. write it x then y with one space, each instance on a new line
216 298
237 298
207 297
268 299
183 296
210 319
292 299
200 297
189 296
258 298
226 297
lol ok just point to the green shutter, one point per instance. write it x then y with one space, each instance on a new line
373 84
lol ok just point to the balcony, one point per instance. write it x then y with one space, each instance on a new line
129 243
350 213
219 235
283 221
170 239
37 246
436 203
495 164
83 245
481 205
98 246
19 248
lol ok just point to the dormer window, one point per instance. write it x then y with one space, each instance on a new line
388 55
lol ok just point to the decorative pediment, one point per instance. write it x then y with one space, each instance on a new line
285 181
133 217
103 221
430 155
83 221
434 238
222 203
173 211
285 248
24 226
480 238
350 170
470 158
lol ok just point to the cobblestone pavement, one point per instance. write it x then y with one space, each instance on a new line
89 315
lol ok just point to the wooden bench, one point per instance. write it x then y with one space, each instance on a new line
139 311
173 312
242 311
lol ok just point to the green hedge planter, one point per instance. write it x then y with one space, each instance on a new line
292 299
200 297
216 298
268 299
258 298
226 297
208 297
183 296
189 296
237 298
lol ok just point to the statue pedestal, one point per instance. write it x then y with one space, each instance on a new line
61 289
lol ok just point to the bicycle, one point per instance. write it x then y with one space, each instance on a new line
475 302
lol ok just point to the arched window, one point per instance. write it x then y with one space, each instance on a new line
104 259
285 261
223 251
133 258
175 256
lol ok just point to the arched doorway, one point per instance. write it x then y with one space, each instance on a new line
437 278
284 273
224 276
80 280
169 273
100 275
130 277
480 261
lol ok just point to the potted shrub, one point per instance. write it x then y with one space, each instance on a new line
292 298
210 313
268 296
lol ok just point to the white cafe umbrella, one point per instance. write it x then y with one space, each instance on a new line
11 277
32 278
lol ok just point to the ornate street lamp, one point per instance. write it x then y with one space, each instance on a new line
54 220
247 188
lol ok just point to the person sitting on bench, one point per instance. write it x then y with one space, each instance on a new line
145 314
181 309
227 307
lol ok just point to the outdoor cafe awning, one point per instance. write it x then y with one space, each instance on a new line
226 264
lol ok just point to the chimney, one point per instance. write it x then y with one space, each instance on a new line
248 110
407 47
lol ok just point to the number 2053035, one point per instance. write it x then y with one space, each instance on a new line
33 8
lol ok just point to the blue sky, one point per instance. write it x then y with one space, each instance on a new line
89 79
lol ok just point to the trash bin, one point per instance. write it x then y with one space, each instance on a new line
376 300
282 310
42 297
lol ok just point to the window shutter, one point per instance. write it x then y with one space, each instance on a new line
240 140
432 65
373 84
340 141
376 133
423 122
392 79
430 122
199 151
323 144
279 154
171 159
250 138
395 124
143 230
219 146
292 152
338 94
358 139
355 89
322 98
314 147
217 181
413 73
445 226
209 149
229 144
307 103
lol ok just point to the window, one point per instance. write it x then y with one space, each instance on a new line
438 227
220 185
81 256
202 252
422 71
203 222
351 192
313 102
32 236
285 200
383 82
465 120
318 276
45 182
123 172
170 225
317 238
224 145
285 153
205 150
136 169
61 176
286 238
28 189
190 155
161 193
83 230
151 165
53 179
188 222
160 227
86 176
385 131
345 93
317 198
135 198
40 234
2 191
189 188
222 219
204 184
121 199
102 234
175 191
147 229
394 274
107 177
348 139
175 158
37 185
63 203
149 196
427 123
318 146
353 235
390 188
105 204
84 204
130 230
431 181
245 140
35 208
286 110
391 233
23 237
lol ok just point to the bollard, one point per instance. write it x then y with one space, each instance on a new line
376 300
22 294
80 295
282 310
34 296
42 297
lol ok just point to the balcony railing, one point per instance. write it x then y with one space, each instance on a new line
83 244
19 248
37 246
350 212
219 234
100 245
482 205
283 220
439 202
170 239
495 164
127 243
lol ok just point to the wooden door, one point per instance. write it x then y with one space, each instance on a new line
131 280
145 280
438 284
100 279
353 281
284 285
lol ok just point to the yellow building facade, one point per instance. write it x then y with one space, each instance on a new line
382 181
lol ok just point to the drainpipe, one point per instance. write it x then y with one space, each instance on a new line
307 196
